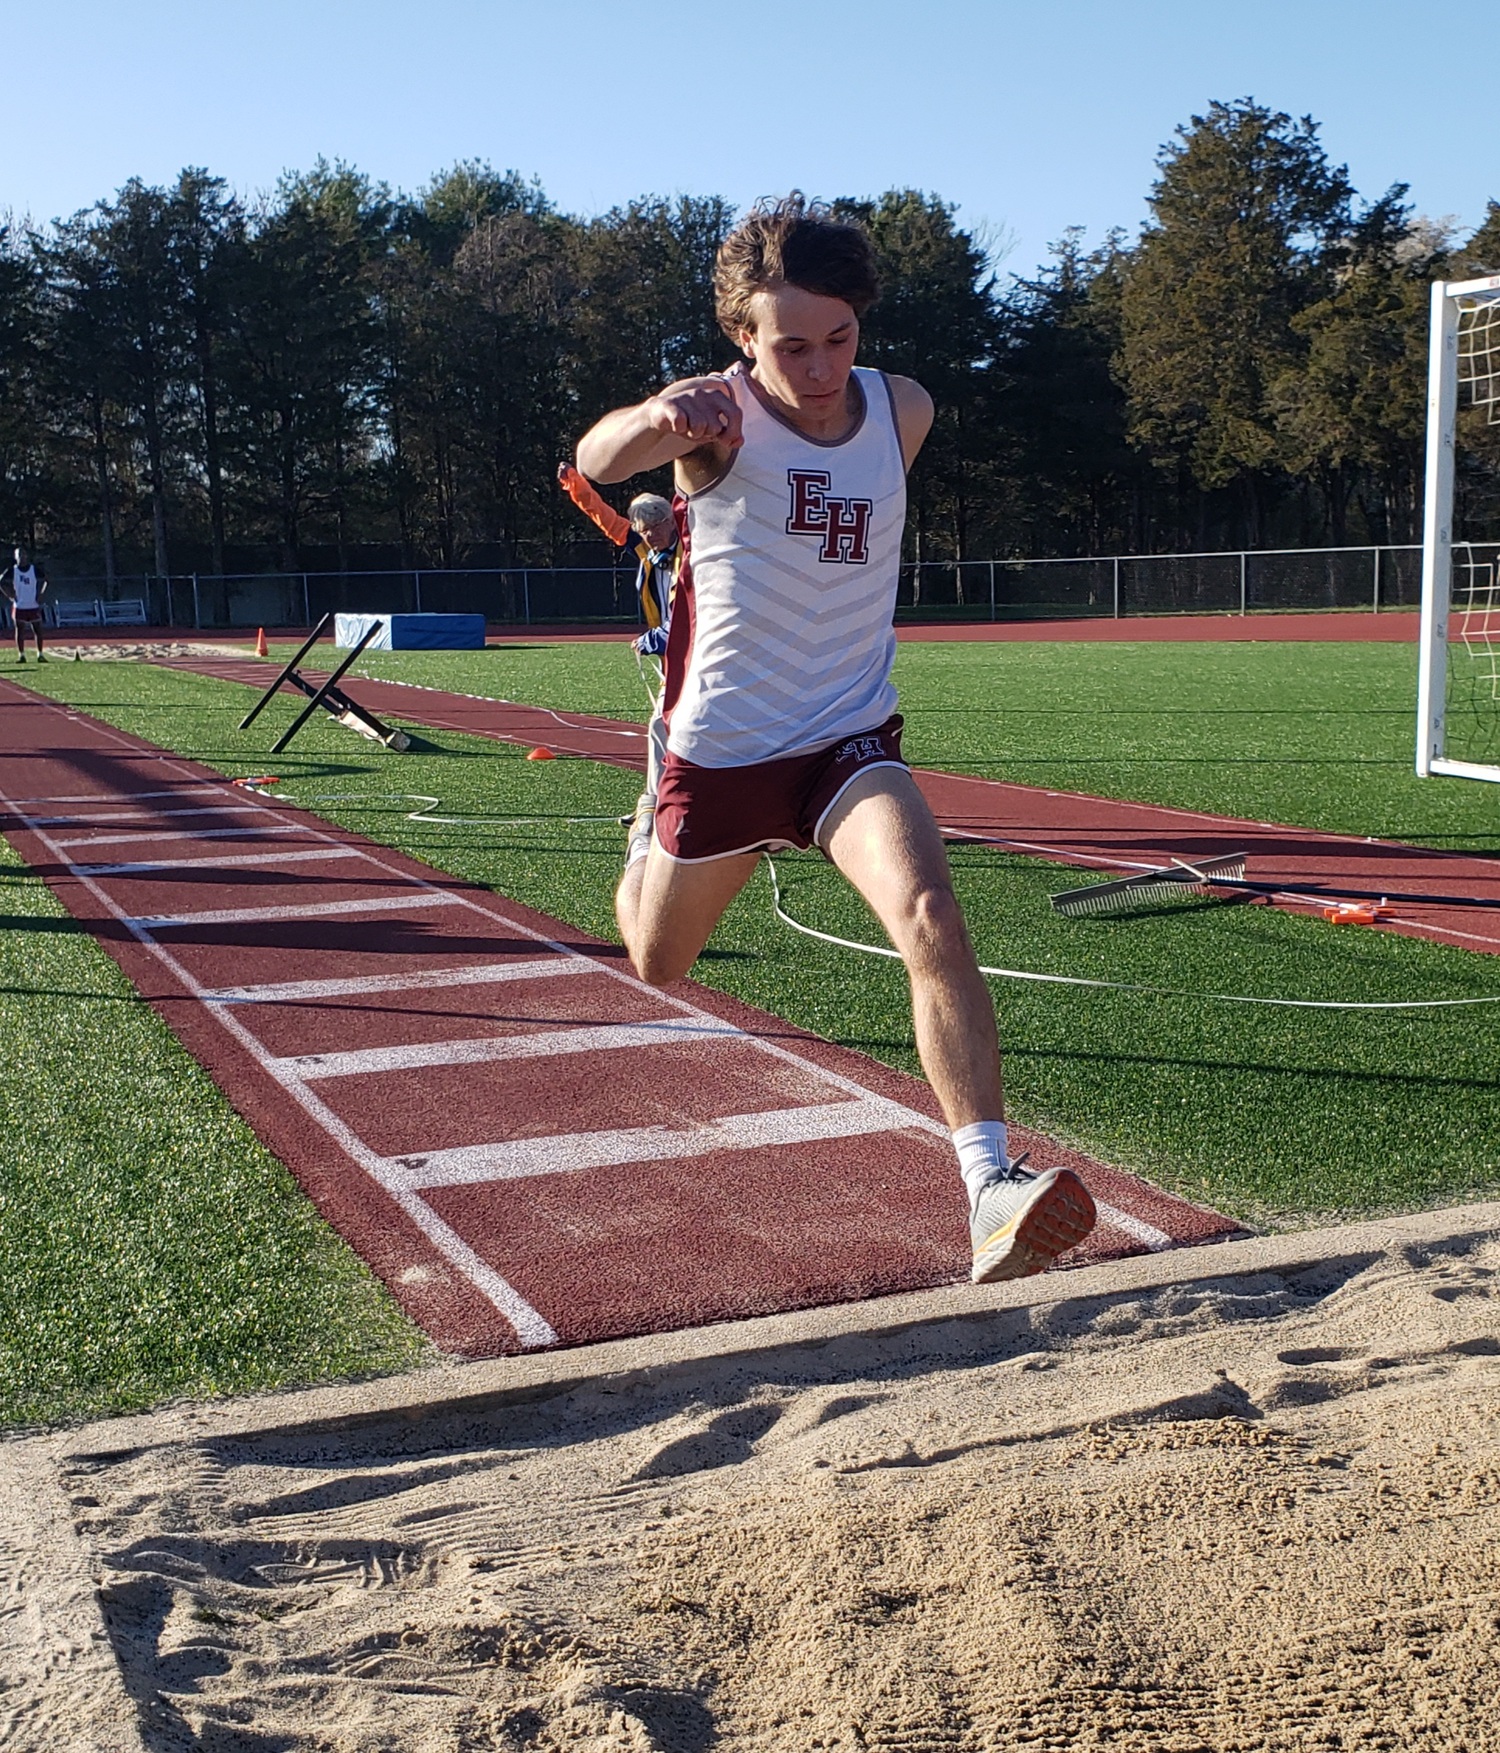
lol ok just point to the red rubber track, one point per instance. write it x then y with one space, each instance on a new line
1067 827
1392 627
528 1145
1398 627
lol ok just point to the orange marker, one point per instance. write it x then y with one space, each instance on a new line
540 754
261 648
1356 912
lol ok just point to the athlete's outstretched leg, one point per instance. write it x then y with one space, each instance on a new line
667 910
881 835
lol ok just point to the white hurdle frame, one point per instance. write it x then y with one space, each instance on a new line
1437 534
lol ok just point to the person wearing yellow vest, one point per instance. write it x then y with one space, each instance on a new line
650 531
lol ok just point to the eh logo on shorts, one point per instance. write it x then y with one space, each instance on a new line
843 524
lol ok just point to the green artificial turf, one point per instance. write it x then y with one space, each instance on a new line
1274 1115
152 1246
1313 735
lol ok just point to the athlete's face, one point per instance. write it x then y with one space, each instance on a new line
802 346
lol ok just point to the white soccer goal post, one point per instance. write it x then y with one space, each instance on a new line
1458 681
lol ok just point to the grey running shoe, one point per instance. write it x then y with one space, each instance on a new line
638 841
1019 1225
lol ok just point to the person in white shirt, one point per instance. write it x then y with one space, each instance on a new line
780 710
24 585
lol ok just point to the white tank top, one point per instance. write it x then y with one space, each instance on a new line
25 586
794 557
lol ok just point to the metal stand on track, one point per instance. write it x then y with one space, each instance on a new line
329 695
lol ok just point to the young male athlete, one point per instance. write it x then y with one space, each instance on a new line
780 712
649 530
24 585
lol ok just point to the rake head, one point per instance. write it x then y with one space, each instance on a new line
1153 886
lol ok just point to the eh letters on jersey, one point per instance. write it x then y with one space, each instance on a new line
843 524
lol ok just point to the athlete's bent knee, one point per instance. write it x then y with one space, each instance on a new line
659 967
934 926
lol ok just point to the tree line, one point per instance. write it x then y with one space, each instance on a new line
336 376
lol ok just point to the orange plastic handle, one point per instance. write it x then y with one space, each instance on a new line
583 494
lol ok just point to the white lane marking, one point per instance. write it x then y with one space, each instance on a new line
531 1328
1146 1233
229 861
222 809
485 974
487 1049
115 797
414 903
182 834
568 1152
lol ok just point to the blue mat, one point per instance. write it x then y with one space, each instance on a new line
412 632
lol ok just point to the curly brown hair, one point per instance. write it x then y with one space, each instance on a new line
792 242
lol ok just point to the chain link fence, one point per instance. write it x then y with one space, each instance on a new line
1241 582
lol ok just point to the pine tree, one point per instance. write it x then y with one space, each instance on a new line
936 322
1244 213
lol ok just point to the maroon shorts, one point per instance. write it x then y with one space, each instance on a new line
716 812
27 617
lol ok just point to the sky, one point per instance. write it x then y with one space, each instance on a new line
1028 117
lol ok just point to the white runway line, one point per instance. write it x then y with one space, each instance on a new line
568 1152
115 797
418 901
1137 1227
404 1177
529 1325
223 809
184 834
489 1049
230 861
486 974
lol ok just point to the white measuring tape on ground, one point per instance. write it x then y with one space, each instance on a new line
874 949
575 722
423 814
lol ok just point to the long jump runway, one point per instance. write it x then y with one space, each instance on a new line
457 1080
1068 827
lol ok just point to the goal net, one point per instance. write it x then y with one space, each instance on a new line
1458 710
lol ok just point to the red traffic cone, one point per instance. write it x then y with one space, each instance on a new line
261 648
540 754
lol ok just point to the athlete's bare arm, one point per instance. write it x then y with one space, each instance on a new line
697 418
914 413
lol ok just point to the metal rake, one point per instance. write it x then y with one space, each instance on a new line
1150 887
1226 876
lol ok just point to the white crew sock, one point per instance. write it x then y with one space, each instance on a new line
982 1154
639 842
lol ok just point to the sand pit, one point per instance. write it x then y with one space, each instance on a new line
135 650
1242 1499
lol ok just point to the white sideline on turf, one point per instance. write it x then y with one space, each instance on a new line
301 991
568 1152
416 903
